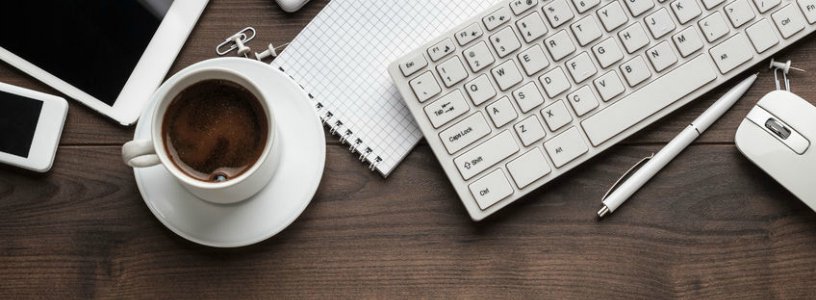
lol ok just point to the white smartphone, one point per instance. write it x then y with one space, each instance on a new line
109 55
30 127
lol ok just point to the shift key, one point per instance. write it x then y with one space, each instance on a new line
486 155
464 133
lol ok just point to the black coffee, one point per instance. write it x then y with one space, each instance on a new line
215 130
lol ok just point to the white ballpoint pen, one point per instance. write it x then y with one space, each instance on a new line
670 151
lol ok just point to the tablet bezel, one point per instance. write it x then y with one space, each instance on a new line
146 77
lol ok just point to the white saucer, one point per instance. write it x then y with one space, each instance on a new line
273 208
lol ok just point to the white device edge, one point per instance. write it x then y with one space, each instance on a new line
47 134
170 36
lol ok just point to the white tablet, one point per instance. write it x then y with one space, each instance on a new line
109 55
30 127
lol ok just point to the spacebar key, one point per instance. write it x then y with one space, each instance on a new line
650 99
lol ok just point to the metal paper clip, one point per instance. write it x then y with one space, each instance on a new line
624 176
237 41
785 68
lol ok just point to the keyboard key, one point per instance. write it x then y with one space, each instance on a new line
556 115
766 5
586 30
638 7
732 53
709 4
639 105
479 57
688 41
469 34
554 82
582 101
661 56
566 147
451 71
441 49
635 71
609 85
464 133
714 27
531 27
528 168
496 18
739 12
533 60
446 108
558 12
633 37
660 23
480 89
762 35
486 155
425 86
581 67
520 6
528 97
685 10
612 16
490 189
583 6
809 9
607 52
560 45
501 112
505 42
507 75
413 64
788 20
530 130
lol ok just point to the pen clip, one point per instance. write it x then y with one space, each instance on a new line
626 175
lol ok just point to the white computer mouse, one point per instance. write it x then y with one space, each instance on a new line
291 5
778 135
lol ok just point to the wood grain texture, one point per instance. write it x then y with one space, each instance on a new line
711 225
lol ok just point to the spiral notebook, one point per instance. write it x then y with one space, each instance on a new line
340 60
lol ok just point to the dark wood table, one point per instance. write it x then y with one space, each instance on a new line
710 225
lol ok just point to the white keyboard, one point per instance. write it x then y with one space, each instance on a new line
529 89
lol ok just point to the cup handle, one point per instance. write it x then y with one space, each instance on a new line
140 154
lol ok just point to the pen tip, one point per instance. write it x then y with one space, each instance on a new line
604 211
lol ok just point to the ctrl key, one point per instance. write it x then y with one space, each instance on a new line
490 189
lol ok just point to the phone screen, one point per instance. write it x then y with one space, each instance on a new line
18 122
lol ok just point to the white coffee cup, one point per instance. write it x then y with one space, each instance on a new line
152 151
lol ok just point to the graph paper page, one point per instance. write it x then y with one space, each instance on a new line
341 58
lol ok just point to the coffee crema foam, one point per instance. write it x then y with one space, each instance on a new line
215 130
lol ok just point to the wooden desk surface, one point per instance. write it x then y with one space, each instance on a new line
710 225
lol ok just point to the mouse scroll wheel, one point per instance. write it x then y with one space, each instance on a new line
777 128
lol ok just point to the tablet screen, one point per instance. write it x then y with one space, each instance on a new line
18 122
93 45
